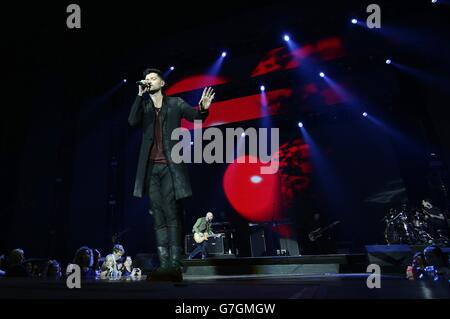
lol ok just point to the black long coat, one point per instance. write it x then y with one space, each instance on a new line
173 110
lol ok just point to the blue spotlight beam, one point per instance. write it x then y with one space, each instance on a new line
402 139
436 80
333 188
215 68
169 71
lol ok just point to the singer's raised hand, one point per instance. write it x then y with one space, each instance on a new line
207 97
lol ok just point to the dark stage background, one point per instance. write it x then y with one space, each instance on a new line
69 156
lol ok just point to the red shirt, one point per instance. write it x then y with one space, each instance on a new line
156 151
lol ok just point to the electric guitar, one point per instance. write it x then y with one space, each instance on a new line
201 237
316 234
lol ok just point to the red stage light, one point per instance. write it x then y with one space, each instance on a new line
195 82
253 195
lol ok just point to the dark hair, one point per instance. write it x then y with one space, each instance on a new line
436 255
97 256
151 70
52 269
77 258
15 257
419 254
118 248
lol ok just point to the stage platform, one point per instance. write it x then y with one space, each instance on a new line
257 266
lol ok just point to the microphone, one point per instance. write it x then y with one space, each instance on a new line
142 83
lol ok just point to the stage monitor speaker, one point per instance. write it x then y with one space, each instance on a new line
214 245
290 246
390 255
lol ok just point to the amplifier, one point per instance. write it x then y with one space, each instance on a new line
214 245
258 243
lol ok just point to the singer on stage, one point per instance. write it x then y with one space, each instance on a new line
158 177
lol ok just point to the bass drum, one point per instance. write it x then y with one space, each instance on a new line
395 234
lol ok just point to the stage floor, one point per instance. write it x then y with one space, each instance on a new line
300 277
327 286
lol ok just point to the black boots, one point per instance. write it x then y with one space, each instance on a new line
175 257
169 252
164 257
176 250
170 268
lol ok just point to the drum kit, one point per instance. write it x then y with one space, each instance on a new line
412 226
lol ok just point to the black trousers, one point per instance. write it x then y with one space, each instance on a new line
166 210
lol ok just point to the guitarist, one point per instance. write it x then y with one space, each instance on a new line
322 244
202 227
